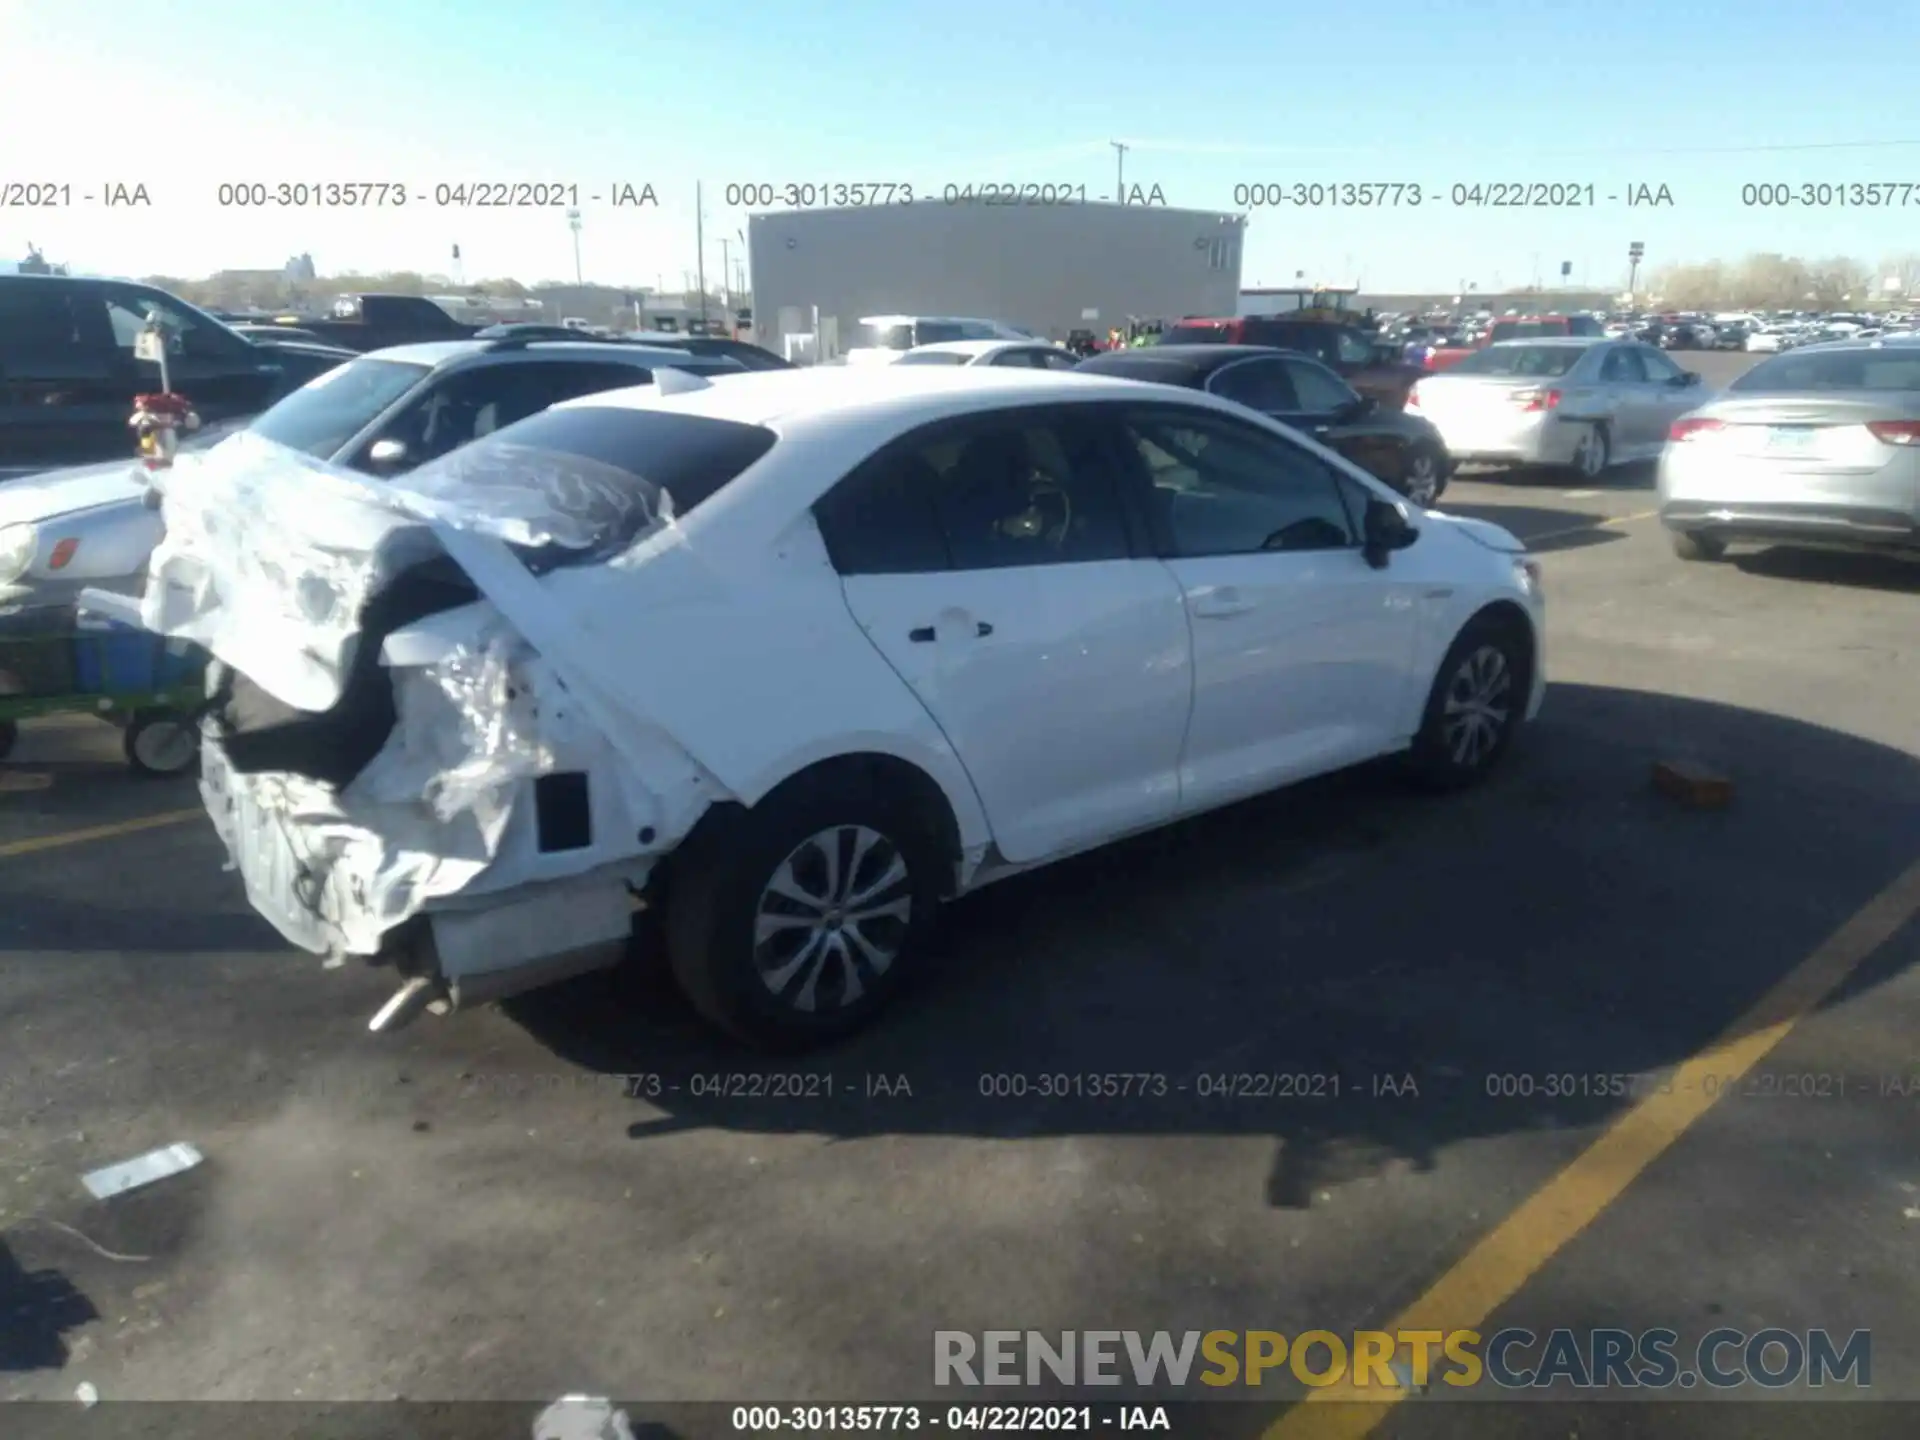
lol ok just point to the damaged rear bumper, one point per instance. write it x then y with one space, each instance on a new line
334 888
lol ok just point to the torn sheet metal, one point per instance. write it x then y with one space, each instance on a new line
269 560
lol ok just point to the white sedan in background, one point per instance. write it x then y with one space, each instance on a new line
795 658
1579 402
1007 354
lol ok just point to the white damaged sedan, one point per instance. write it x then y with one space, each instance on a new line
795 658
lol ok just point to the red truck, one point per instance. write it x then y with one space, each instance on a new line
1517 327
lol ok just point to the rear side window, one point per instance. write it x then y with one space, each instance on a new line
1522 361
991 492
39 321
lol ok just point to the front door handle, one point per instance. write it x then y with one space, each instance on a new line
924 634
1220 605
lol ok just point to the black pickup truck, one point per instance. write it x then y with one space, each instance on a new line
373 322
68 371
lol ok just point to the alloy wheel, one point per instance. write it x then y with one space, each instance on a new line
834 915
1591 456
1423 479
1478 707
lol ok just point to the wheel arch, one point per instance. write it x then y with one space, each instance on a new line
955 822
1512 616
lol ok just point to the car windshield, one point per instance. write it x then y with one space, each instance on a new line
329 410
1522 360
869 336
1834 370
582 483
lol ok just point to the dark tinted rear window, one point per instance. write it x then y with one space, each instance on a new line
1141 364
1522 361
1198 332
1893 368
1527 330
574 485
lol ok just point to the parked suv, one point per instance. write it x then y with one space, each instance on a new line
383 414
68 373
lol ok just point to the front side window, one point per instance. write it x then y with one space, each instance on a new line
1321 391
987 493
188 335
1658 367
329 410
1225 489
1352 350
1258 384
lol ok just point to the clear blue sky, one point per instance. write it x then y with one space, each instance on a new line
1700 96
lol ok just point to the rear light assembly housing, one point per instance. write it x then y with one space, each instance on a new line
1534 402
1688 427
1895 432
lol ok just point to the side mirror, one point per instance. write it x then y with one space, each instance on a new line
1385 530
1359 407
386 454
1690 377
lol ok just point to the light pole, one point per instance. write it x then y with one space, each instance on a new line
573 224
1120 170
700 248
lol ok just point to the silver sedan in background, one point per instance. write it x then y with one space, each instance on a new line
1578 402
1820 446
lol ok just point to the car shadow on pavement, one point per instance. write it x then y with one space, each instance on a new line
1896 573
1367 975
1539 528
37 1310
43 924
1640 475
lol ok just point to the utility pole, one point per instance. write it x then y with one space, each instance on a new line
1120 170
1636 252
726 277
573 224
700 249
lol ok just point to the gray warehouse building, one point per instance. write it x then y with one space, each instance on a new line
1050 269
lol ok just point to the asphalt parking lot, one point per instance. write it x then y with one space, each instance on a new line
476 1208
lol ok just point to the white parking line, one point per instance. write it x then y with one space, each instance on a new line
1532 540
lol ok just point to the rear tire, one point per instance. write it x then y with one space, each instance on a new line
1593 454
1478 701
793 924
1692 545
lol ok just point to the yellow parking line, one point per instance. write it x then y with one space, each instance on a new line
11 848
1491 1272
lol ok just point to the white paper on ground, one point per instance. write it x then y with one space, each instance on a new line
113 1180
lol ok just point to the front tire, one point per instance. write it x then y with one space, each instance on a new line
1425 477
1691 545
1478 700
1593 454
793 924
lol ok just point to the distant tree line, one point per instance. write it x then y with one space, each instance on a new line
1786 282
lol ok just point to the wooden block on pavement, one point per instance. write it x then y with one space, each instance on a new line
1697 786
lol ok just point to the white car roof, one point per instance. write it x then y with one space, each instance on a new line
981 347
